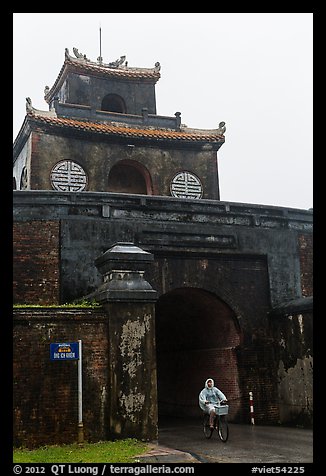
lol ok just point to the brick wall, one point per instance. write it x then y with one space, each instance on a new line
36 262
180 390
306 263
45 392
257 368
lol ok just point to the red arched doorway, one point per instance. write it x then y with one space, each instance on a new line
196 338
129 176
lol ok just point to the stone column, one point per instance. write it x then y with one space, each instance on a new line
129 301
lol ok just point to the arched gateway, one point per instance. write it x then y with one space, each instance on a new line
197 335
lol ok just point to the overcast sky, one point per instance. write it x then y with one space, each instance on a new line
252 70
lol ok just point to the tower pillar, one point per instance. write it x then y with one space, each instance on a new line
129 301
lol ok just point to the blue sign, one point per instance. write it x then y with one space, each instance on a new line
64 351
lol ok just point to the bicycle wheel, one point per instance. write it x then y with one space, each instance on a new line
207 430
223 428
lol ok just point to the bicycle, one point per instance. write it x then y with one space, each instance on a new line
220 423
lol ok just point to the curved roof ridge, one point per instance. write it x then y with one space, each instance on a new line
191 130
116 69
124 130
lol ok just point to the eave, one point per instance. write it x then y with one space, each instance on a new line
120 132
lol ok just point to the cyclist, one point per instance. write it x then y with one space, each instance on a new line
208 398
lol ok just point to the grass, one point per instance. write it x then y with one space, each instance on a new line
120 451
85 303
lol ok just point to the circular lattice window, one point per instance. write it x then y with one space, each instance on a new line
186 185
67 176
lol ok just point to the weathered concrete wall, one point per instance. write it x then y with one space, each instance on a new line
293 332
296 392
129 301
132 376
208 230
98 158
90 91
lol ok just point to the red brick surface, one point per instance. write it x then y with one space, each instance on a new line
45 392
36 262
306 263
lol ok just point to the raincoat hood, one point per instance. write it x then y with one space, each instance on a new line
210 395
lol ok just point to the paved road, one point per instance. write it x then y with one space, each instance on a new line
246 443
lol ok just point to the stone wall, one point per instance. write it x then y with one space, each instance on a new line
91 222
292 327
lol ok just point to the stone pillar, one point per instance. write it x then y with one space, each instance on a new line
129 301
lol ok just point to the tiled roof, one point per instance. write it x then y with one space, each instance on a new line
89 67
120 130
123 72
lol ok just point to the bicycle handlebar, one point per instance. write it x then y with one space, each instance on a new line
221 403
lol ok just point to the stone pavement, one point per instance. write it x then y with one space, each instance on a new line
182 441
164 454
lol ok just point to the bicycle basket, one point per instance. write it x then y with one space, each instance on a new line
222 409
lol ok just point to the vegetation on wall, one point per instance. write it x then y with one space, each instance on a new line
75 305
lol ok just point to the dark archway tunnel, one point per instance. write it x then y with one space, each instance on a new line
196 337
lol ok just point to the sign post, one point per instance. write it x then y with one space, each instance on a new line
80 395
72 351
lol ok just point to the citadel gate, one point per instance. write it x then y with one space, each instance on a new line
214 289
197 335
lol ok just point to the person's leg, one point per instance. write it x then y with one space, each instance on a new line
211 418
211 411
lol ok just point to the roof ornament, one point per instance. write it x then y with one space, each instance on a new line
79 55
29 107
221 128
118 62
37 112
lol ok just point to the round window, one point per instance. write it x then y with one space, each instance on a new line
186 185
67 176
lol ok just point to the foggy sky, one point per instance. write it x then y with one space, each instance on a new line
251 70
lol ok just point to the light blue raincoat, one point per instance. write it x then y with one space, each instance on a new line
212 395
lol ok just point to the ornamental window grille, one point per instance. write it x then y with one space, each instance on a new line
186 185
68 176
